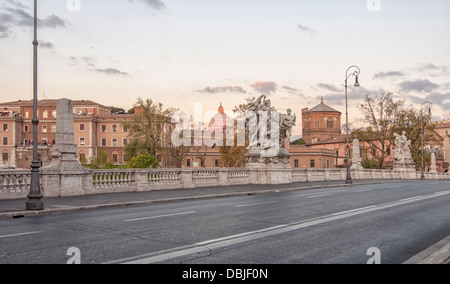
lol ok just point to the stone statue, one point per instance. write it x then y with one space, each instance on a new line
268 160
287 121
402 154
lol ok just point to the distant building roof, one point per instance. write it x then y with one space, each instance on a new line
322 107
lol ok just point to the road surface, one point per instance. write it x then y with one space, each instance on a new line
387 223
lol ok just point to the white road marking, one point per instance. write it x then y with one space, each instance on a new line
354 210
21 234
160 216
209 245
256 204
317 196
412 198
364 190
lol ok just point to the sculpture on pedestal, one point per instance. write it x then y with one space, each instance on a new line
402 154
269 132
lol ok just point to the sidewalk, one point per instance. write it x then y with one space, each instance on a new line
16 208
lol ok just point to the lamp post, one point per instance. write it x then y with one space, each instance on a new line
34 197
355 73
428 105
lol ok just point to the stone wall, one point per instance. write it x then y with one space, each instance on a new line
15 184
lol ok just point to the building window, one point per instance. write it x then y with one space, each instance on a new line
114 128
308 123
330 123
44 128
26 128
103 142
317 122
125 129
54 113
216 163
27 142
328 164
82 127
295 163
5 157
103 128
114 142
5 141
82 141
115 158
5 127
188 163
388 151
313 164
125 142
53 128
45 114
27 114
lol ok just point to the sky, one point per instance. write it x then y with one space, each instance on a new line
182 52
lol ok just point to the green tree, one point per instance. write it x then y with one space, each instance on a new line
146 128
143 162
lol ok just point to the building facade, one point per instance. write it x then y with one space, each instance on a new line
94 127
320 123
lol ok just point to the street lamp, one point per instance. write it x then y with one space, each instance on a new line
34 197
355 73
428 105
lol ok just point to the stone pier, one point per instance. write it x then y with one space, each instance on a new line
65 176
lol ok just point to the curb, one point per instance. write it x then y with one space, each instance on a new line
22 214
438 253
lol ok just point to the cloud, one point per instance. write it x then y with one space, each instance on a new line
356 95
306 29
11 18
155 4
421 86
47 45
329 87
440 99
265 87
111 71
223 89
383 75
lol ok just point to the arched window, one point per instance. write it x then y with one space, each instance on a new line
317 123
330 123
308 123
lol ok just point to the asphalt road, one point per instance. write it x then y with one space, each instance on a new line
334 225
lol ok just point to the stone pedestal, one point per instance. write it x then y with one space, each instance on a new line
269 169
356 159
65 176
433 169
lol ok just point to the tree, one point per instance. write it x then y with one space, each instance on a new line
147 128
143 162
301 141
385 117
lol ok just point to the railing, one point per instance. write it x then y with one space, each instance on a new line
118 179
15 184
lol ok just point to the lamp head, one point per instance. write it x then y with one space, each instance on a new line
357 83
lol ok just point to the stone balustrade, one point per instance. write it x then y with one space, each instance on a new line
15 184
